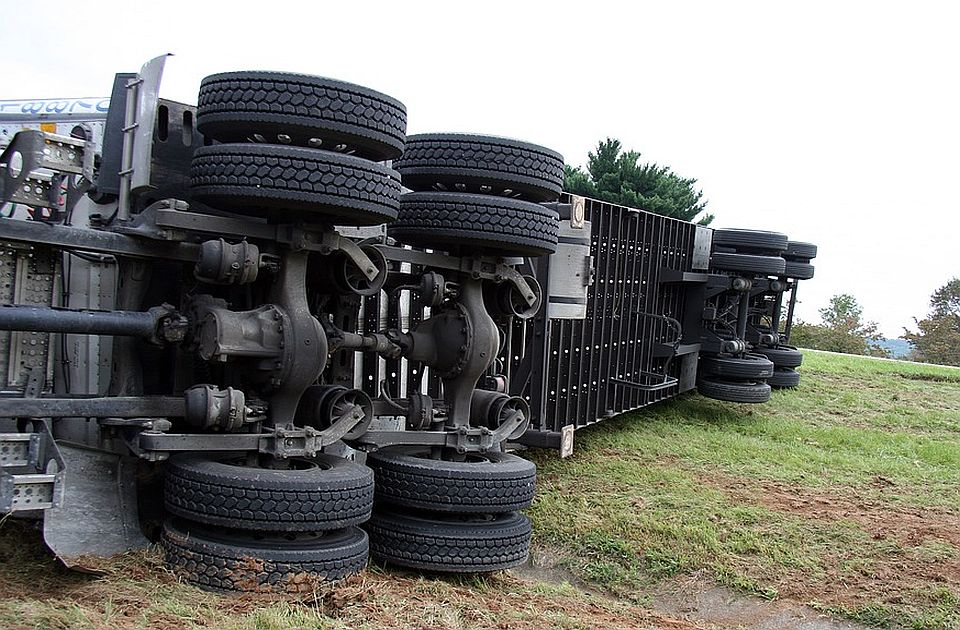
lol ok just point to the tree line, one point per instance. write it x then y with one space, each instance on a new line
843 329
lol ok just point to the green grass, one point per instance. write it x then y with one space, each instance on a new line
852 479
843 494
136 591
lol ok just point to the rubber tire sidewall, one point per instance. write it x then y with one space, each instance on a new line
782 356
293 184
205 489
491 225
406 478
302 107
226 561
751 366
729 391
747 263
418 541
530 172
784 378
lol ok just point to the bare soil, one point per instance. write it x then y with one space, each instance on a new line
906 567
695 600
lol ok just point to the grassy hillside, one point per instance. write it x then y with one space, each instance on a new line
844 494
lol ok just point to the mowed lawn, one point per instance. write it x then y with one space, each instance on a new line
843 494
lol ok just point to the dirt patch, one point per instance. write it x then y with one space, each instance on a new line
906 525
694 601
698 597
934 378
922 554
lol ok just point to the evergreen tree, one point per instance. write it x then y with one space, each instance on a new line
619 177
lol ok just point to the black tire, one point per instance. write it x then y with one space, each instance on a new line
481 165
742 392
450 543
302 110
224 560
782 356
784 377
297 184
750 240
323 493
486 482
800 251
463 222
750 367
798 270
748 263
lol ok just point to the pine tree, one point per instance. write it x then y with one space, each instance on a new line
619 177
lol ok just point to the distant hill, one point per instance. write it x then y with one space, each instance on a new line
899 349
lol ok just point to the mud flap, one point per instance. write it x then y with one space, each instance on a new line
97 517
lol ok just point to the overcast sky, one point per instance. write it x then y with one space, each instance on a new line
835 122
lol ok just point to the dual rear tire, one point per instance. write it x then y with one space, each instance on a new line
735 378
234 526
478 194
450 516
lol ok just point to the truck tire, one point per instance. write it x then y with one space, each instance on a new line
301 110
322 493
782 356
748 367
742 392
798 270
486 482
800 251
748 263
497 225
481 164
223 560
750 240
450 543
300 184
784 377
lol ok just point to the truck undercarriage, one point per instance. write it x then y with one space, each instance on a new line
227 328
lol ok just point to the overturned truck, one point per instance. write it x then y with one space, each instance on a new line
227 328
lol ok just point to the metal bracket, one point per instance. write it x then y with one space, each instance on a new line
19 449
283 442
174 215
27 492
463 439
577 211
34 162
287 442
40 487
479 267
354 253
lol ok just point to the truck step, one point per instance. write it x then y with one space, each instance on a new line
31 471
19 449
36 491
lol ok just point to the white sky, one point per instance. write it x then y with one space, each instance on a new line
834 122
